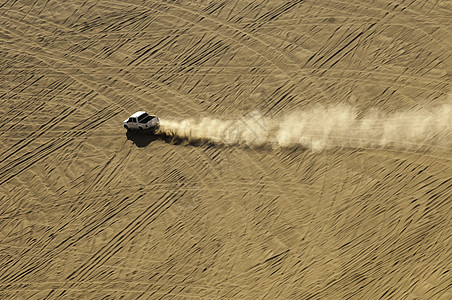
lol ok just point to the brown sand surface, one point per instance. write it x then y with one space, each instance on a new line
88 211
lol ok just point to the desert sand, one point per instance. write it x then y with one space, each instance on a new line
345 192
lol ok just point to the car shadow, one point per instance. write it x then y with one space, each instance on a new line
141 139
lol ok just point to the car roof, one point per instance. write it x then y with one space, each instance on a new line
137 114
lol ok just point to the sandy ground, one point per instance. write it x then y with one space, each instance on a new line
88 211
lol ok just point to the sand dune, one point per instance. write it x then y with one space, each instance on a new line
305 149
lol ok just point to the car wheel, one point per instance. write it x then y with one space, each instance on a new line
126 127
141 128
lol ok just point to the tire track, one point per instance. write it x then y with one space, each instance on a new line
31 157
43 258
127 69
240 32
228 222
117 242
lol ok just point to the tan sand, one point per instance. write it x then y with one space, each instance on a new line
354 207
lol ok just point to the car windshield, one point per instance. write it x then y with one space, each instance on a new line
144 118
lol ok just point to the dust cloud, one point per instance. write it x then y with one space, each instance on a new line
252 129
325 127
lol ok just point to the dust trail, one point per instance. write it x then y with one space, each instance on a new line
251 129
322 128
341 126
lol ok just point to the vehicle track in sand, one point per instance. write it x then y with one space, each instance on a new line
85 213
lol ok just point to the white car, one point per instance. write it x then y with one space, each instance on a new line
142 121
